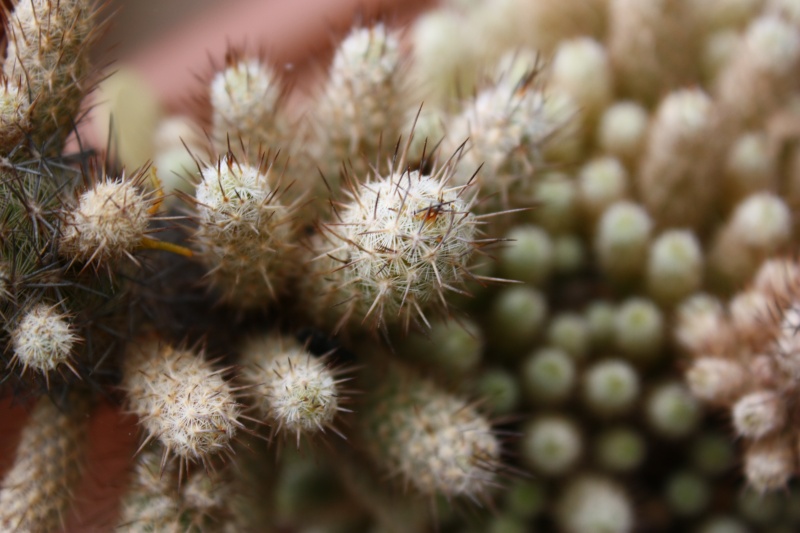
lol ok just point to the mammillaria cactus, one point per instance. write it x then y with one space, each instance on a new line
531 237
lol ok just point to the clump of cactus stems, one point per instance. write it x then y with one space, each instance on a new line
624 165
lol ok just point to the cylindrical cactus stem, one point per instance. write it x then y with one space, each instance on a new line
37 490
245 231
246 98
678 175
641 46
181 400
399 244
295 391
158 500
110 220
152 502
43 340
364 104
48 55
431 440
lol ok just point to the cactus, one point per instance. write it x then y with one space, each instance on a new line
552 247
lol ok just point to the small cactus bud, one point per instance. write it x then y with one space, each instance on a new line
639 330
600 317
499 389
749 167
622 239
36 492
556 200
601 183
43 340
758 414
581 68
714 379
769 463
641 39
701 325
569 332
548 375
528 256
180 400
675 266
610 387
594 505
671 411
452 346
294 390
620 449
551 445
516 317
623 130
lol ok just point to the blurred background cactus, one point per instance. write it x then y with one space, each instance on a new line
504 266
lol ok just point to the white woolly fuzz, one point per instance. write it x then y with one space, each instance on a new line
109 221
180 399
293 389
43 339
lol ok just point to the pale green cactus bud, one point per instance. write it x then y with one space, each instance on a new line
600 318
594 505
610 387
581 68
528 256
569 254
499 389
569 332
622 131
551 445
548 375
516 317
719 48
762 73
556 201
525 498
671 411
451 345
674 266
601 183
639 330
620 449
622 240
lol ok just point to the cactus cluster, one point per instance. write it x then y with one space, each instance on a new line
503 269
